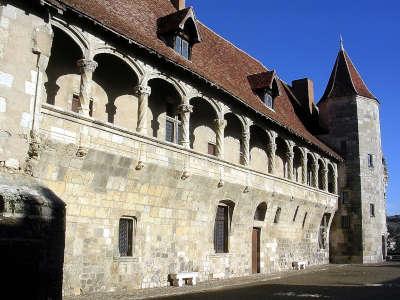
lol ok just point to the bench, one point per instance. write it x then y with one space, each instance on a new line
298 265
188 277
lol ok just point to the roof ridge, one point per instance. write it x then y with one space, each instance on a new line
232 44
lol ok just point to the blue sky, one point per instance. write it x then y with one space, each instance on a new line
301 39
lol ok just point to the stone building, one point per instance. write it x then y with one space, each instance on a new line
137 143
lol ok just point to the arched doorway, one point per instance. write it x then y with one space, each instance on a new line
259 216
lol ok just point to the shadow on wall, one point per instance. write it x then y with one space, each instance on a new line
32 237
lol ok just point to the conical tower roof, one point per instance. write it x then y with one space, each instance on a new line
345 79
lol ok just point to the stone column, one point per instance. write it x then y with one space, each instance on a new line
143 92
246 146
272 151
185 109
290 157
87 68
220 125
315 172
335 179
325 177
304 165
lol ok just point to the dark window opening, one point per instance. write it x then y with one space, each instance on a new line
344 197
221 229
295 213
261 210
370 160
212 149
304 220
372 210
345 222
277 215
2 204
76 105
182 46
125 242
343 147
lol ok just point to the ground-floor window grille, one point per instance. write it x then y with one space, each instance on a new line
126 236
221 229
345 222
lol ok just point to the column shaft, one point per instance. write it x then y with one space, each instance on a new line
87 68
143 92
185 110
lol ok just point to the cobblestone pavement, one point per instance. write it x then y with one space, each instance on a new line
353 282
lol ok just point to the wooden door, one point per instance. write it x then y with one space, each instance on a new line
255 266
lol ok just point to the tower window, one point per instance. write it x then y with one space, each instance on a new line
372 210
344 197
182 46
345 222
125 236
295 214
370 160
304 220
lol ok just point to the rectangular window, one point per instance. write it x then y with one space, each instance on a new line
370 160
372 210
304 220
345 222
76 104
169 131
212 149
343 147
277 215
344 197
125 241
221 230
182 47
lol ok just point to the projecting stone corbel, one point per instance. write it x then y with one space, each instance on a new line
185 175
139 166
246 190
221 183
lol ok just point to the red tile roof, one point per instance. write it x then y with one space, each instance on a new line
345 79
214 59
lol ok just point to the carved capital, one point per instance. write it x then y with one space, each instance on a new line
185 108
87 65
220 123
142 90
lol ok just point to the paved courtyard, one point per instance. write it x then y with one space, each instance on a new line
330 282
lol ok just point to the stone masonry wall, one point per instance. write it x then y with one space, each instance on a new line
175 217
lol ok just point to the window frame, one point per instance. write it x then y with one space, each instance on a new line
131 237
182 46
224 247
372 210
370 160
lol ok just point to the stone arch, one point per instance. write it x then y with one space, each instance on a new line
173 82
73 34
281 158
163 118
233 138
214 104
202 126
115 77
260 212
258 148
63 78
136 68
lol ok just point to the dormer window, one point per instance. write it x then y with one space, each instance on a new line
265 86
179 31
182 46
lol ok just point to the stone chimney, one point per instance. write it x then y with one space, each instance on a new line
304 91
179 4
